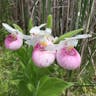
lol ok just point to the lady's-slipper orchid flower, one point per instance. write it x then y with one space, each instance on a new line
40 40
41 57
15 40
67 56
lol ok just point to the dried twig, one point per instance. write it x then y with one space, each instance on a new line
34 8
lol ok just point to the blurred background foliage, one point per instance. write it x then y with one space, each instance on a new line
67 15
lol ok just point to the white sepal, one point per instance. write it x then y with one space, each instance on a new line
42 25
33 40
80 37
62 44
15 31
9 28
68 43
48 31
53 47
26 37
34 30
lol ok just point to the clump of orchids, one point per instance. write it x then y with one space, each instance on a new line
47 48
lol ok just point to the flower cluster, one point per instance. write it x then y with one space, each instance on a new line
45 51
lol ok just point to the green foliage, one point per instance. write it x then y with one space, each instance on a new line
2 36
52 86
18 27
8 65
30 24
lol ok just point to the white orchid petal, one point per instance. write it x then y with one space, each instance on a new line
42 32
53 47
33 40
42 25
35 30
30 42
12 30
26 37
72 43
9 28
80 37
48 31
84 36
68 43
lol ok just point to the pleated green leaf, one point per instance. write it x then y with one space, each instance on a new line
51 86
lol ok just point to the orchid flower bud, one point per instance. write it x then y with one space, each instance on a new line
13 42
68 58
41 57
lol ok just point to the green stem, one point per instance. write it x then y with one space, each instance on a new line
36 93
69 79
